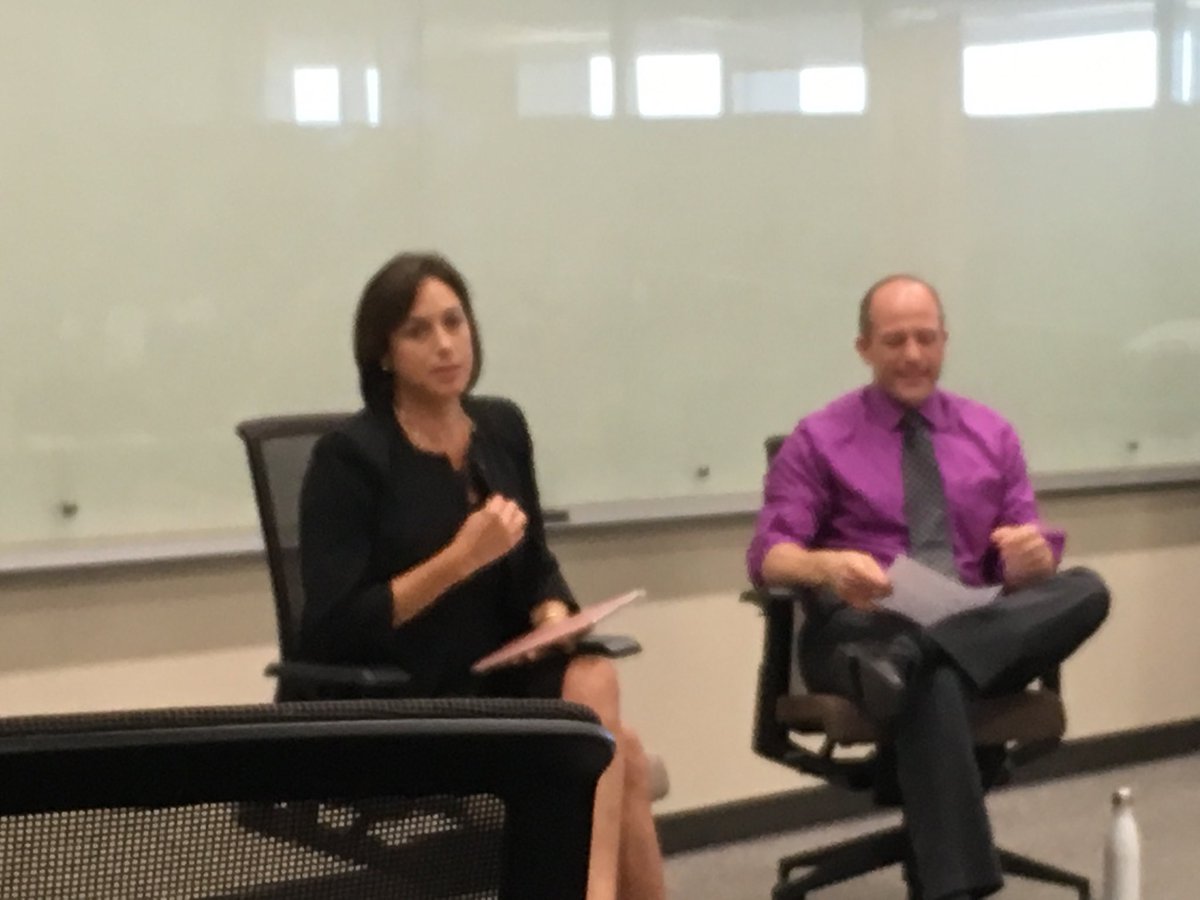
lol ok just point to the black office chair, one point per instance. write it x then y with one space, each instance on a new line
278 449
155 803
1010 731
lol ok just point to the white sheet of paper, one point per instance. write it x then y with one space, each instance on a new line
927 596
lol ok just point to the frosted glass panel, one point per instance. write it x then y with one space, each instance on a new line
667 212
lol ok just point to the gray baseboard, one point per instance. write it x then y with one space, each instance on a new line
794 810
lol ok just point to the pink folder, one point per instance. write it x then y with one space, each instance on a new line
573 626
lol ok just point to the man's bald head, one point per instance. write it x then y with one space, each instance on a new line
864 306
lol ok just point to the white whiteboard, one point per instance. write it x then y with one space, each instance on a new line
667 212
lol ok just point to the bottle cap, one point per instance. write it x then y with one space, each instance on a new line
1122 797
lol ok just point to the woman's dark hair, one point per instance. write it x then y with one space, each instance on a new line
385 304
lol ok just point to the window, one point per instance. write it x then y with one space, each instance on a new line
833 90
316 93
573 87
601 87
1062 75
815 90
775 91
1187 72
371 85
679 85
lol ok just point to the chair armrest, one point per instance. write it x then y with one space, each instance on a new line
320 674
614 646
385 678
766 596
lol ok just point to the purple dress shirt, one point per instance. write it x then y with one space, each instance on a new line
836 482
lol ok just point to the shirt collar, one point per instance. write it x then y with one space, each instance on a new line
887 411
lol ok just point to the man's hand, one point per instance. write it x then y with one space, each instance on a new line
1025 554
856 577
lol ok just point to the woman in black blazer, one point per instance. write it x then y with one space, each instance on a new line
422 542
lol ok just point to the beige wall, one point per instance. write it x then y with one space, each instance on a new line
201 633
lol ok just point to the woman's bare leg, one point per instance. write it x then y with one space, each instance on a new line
592 682
626 861
640 862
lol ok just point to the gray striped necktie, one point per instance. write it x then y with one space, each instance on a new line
925 498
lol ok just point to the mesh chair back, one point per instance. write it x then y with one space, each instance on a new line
278 450
301 800
772 445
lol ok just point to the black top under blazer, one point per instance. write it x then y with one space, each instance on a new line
373 506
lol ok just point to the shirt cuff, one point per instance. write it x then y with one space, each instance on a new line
1057 539
757 553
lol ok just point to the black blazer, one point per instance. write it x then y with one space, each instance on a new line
373 505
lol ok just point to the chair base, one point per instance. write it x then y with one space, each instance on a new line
1036 870
835 863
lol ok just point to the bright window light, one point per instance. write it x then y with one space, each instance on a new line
371 84
679 85
317 95
601 87
1062 75
1187 68
833 90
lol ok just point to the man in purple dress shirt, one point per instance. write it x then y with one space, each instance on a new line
903 467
